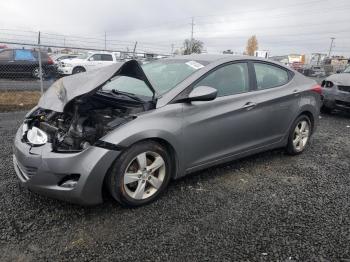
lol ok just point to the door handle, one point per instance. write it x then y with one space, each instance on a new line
296 92
249 105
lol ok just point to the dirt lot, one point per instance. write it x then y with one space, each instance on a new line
18 100
269 207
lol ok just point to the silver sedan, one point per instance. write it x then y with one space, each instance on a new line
134 128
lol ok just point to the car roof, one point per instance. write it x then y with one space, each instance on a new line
210 58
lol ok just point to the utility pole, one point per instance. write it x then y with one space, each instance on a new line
133 52
172 49
105 40
40 66
191 40
330 48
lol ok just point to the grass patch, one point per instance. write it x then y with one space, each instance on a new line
18 100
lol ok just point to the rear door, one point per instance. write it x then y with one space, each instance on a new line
225 126
277 101
107 59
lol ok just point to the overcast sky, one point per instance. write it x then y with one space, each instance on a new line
282 27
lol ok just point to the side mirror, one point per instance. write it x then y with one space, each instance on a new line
202 93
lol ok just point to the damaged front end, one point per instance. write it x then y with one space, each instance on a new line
74 113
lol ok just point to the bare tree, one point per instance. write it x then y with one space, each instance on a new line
197 46
252 45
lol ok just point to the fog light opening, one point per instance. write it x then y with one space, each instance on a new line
69 181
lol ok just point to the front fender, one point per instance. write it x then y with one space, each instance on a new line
163 123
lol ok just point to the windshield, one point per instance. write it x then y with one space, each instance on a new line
347 70
163 74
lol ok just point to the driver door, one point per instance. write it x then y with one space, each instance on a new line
214 130
94 62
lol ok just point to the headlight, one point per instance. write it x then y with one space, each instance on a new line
36 137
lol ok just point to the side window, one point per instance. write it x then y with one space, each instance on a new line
106 57
95 57
228 80
6 55
268 76
24 55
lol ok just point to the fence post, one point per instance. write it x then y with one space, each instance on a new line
40 66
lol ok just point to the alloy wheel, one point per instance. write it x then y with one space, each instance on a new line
144 175
301 135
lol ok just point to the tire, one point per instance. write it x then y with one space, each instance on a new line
136 188
298 140
326 110
78 69
36 73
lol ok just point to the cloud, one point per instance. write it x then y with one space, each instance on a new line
293 27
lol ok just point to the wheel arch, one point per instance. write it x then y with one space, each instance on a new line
79 66
160 140
310 116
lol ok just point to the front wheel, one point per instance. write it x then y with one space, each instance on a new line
299 135
140 174
78 69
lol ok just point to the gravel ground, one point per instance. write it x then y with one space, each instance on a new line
269 207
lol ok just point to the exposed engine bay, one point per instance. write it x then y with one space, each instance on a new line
83 122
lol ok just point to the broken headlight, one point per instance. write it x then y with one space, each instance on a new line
36 137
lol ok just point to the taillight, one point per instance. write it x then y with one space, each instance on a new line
50 61
317 89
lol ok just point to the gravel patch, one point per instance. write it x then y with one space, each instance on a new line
268 207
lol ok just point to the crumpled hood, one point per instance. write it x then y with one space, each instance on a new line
340 79
67 88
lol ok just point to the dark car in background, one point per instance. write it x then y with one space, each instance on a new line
24 62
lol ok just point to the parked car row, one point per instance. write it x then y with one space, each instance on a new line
17 63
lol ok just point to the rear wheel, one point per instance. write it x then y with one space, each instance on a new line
140 174
36 73
299 135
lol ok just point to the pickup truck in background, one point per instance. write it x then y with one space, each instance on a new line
86 62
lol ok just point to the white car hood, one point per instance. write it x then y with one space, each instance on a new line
340 79
72 61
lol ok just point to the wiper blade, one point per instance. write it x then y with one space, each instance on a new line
129 95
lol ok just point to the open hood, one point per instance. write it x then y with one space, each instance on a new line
67 88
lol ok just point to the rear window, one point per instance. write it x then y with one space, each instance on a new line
268 76
106 57
25 55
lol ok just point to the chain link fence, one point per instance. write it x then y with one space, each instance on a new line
31 61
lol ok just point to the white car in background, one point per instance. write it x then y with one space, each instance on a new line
86 62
